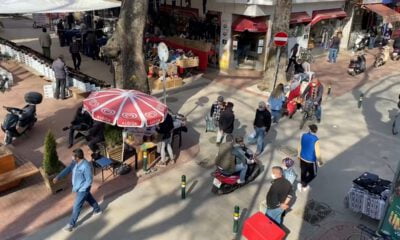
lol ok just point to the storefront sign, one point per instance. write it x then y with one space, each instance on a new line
390 225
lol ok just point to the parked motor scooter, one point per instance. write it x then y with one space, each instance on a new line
3 83
382 57
18 121
361 42
395 55
357 65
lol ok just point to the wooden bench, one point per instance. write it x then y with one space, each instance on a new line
24 168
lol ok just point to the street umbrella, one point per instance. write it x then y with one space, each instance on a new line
125 108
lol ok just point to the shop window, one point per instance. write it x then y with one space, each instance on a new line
296 30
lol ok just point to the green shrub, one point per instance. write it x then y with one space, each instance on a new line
51 163
113 136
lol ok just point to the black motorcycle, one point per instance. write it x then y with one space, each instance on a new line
18 121
357 66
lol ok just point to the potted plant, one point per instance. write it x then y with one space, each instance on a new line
113 139
51 165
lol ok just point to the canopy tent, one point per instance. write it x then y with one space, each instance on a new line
54 6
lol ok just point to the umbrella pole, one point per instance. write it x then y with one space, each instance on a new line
164 87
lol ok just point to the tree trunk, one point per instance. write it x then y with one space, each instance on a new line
280 23
125 47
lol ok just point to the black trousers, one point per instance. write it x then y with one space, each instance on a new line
76 58
291 61
308 172
72 129
60 88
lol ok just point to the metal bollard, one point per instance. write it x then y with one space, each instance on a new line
329 89
183 187
360 100
145 161
236 215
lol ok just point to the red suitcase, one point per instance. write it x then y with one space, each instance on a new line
259 227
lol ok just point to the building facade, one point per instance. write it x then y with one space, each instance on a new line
245 26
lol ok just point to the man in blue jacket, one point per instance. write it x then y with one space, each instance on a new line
310 157
82 178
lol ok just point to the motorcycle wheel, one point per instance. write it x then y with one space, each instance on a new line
7 139
214 189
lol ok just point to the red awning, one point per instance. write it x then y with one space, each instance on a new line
327 14
250 24
299 17
388 14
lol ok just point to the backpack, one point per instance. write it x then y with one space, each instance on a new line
123 169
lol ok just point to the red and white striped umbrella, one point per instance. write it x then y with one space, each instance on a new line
125 108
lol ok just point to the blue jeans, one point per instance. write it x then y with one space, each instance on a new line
243 169
81 198
276 115
318 112
275 215
332 54
259 139
371 42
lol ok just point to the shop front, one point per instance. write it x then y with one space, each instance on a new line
324 24
299 30
248 46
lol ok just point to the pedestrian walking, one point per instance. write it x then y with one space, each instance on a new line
61 32
74 49
278 196
216 109
60 72
82 179
226 123
294 53
288 172
45 42
310 157
313 92
276 101
91 42
70 20
262 124
165 130
334 47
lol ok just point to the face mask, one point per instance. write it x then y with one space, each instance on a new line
273 176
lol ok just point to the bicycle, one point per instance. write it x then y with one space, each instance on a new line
309 110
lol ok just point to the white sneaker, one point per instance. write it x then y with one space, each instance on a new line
239 182
68 228
299 187
306 188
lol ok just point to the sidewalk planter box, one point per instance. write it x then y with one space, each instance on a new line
54 187
7 163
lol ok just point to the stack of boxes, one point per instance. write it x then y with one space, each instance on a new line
368 195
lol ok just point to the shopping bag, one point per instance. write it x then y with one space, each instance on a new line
251 139
210 124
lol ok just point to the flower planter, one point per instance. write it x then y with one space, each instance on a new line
7 163
54 187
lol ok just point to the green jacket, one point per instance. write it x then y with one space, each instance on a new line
225 159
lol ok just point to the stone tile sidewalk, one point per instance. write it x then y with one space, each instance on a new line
29 207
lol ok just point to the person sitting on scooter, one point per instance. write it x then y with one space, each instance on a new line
240 150
82 122
230 161
240 159
313 92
